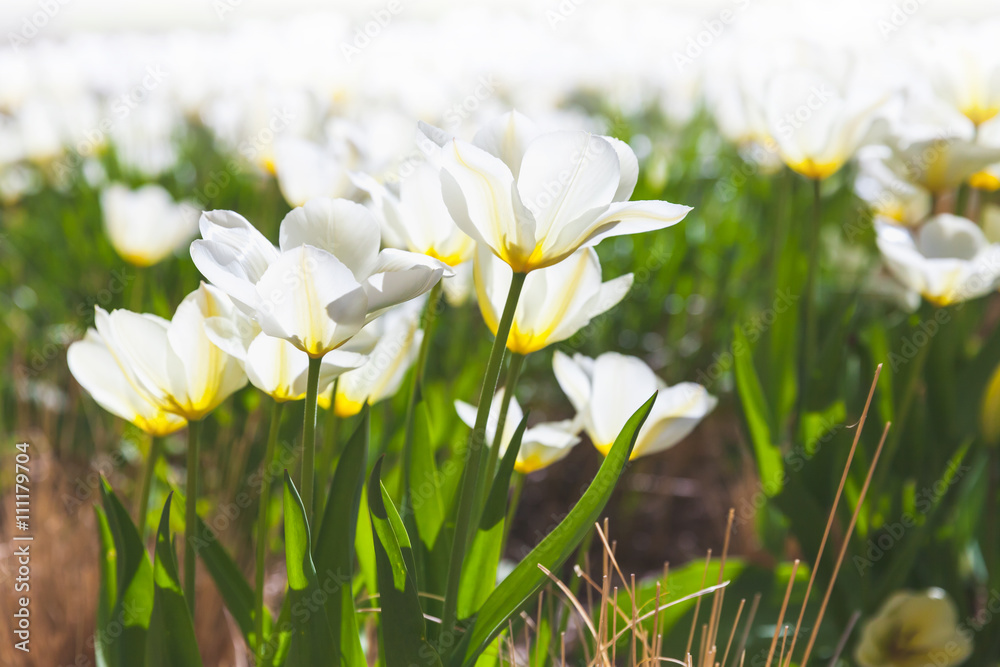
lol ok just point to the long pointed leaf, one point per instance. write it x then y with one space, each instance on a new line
334 553
479 571
403 631
311 642
527 579
129 622
171 632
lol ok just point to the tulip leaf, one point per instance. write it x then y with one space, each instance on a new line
480 567
334 553
425 482
133 587
171 632
311 641
769 461
234 588
107 592
402 631
521 585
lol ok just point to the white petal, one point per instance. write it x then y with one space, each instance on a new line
621 384
507 137
399 276
618 219
564 175
310 298
573 380
675 413
629 167
345 229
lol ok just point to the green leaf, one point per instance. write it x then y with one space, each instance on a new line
527 579
425 482
107 593
484 555
334 553
402 630
233 586
171 632
133 585
769 461
312 640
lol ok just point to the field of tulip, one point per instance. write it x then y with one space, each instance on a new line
454 336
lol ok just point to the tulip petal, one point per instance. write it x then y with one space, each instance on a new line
310 298
345 229
399 276
507 137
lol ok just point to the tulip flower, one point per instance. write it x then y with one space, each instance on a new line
396 339
145 225
607 391
306 170
534 199
557 301
947 260
177 368
941 163
817 120
890 196
913 629
95 368
417 219
541 445
964 68
326 280
280 369
174 364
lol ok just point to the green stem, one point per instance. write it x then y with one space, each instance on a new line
472 471
191 514
331 440
262 525
147 482
426 322
309 437
808 328
510 385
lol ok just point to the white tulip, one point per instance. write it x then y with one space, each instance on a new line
914 629
326 280
174 364
416 219
947 260
145 225
555 303
541 445
608 390
889 195
396 342
818 120
306 170
95 368
534 199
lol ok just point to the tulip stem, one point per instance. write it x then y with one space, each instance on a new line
510 385
191 513
136 293
427 322
262 525
515 500
808 343
331 440
147 482
472 471
309 437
